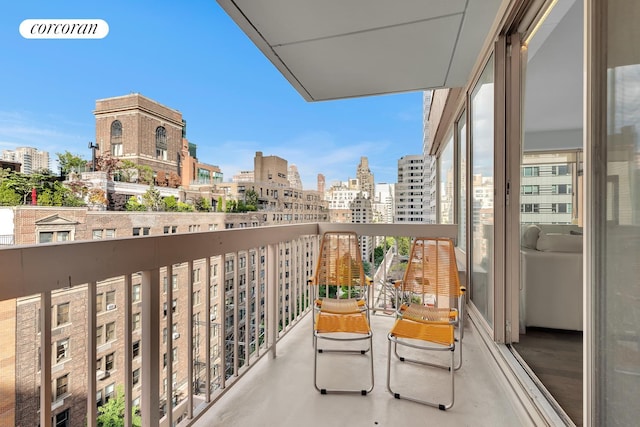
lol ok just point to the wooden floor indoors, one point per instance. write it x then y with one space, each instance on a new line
555 356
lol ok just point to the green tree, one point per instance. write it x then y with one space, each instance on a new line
145 174
219 207
134 205
152 199
170 204
251 200
378 255
202 204
111 414
70 162
185 207
404 243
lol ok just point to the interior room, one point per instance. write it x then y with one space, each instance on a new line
551 192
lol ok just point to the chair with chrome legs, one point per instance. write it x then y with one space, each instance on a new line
413 329
431 282
340 295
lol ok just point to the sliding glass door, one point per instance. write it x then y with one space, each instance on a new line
482 193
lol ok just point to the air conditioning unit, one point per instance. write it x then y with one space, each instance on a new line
176 335
101 375
111 306
212 317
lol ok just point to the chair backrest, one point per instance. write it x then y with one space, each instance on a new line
432 269
340 260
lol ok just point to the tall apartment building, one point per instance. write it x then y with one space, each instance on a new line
31 159
362 213
430 175
69 332
383 203
547 193
339 198
365 177
409 189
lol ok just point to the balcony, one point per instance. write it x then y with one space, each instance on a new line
257 368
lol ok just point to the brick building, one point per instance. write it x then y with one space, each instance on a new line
136 128
34 224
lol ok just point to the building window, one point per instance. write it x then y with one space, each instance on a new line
135 377
531 171
109 362
107 233
62 386
116 138
141 231
561 207
110 298
62 315
99 334
62 419
109 392
110 331
161 143
135 351
561 188
170 229
560 170
135 321
135 293
99 305
53 236
530 189
530 208
62 350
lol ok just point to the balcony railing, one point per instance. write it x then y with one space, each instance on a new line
236 294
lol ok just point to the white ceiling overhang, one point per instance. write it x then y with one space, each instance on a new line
332 49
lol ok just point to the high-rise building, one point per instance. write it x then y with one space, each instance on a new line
365 177
383 203
31 159
429 199
294 177
409 189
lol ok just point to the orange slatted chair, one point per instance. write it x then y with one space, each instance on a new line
431 281
339 278
340 295
413 329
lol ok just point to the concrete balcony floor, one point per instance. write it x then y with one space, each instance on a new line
280 391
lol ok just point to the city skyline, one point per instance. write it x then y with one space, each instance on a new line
234 100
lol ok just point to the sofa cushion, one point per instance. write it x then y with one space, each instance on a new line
553 242
530 237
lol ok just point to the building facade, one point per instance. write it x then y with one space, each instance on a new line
31 159
135 128
229 276
409 190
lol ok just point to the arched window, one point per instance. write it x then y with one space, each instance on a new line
161 143
116 138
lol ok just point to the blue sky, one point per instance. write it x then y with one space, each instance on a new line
191 57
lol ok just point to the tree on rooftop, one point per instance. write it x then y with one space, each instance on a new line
69 162
152 199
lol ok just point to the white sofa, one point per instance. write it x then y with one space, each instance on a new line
551 272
